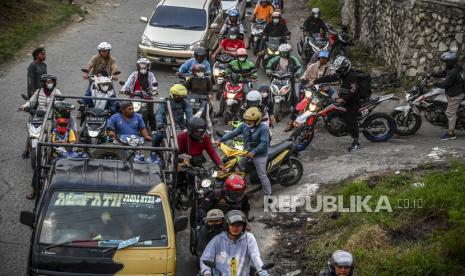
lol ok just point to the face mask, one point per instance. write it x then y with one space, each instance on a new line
200 74
49 85
105 87
242 58
276 21
215 228
178 99
316 15
143 71
232 37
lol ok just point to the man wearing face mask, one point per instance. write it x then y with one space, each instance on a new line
242 66
199 58
230 45
40 100
143 80
232 21
313 24
277 28
199 84
212 225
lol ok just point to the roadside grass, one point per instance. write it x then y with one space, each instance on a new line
330 10
361 55
408 241
22 22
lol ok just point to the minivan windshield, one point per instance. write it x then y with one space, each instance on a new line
99 216
179 18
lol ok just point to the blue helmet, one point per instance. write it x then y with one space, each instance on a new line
233 13
323 54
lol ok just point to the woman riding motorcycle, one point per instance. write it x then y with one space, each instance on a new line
103 89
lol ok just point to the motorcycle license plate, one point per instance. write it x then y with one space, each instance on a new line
34 143
255 38
277 99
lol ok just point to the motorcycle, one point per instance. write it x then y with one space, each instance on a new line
95 122
202 107
431 103
338 41
124 154
34 127
257 34
219 67
311 44
232 98
283 165
271 48
253 270
281 87
141 107
92 78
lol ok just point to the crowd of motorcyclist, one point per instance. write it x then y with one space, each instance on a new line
222 217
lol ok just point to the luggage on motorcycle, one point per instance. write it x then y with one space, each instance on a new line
364 84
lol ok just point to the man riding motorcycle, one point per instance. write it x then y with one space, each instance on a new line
348 95
315 70
127 122
232 21
454 86
256 140
314 24
199 84
40 100
277 28
242 66
211 226
262 11
340 263
230 45
285 62
103 61
233 250
200 57
103 89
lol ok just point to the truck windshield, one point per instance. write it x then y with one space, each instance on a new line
107 217
179 18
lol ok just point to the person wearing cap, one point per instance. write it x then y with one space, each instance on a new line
212 225
316 70
127 122
340 263
200 57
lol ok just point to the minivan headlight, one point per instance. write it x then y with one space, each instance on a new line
145 41
194 45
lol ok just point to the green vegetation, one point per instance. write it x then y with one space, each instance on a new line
330 10
360 54
408 241
25 20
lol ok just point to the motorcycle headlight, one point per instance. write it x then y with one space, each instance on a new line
145 41
284 89
216 72
407 96
230 96
312 107
276 53
308 94
274 89
137 106
194 45
270 52
34 132
93 133
206 183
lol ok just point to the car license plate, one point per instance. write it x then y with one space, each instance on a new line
167 60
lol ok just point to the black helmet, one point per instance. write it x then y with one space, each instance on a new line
235 216
196 128
233 31
450 58
341 65
341 258
45 77
200 54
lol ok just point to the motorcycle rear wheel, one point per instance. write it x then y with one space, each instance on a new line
411 124
389 127
295 166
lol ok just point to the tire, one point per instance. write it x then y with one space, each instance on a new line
404 129
277 114
389 126
302 137
33 153
297 165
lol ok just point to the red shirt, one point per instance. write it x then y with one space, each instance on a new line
196 148
137 86
232 45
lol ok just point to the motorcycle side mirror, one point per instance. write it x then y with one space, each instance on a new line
180 223
144 19
27 218
24 97
267 266
117 73
209 263
214 26
85 71
121 82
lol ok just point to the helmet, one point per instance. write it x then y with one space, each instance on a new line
61 125
276 14
196 128
233 13
285 49
316 12
178 89
104 46
233 31
253 98
143 61
341 65
323 54
234 188
103 84
198 68
264 1
200 54
341 258
264 90
252 114
450 58
235 216
241 52
45 77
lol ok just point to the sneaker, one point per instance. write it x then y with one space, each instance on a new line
448 136
355 146
25 155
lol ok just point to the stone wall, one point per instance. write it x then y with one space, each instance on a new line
407 35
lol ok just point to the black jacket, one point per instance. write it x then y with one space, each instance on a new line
34 72
453 82
280 29
313 26
216 200
348 84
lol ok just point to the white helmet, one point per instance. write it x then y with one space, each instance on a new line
316 12
103 84
253 98
285 47
143 61
104 46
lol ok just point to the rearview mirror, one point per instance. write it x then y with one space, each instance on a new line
117 73
214 26
180 223
27 218
24 97
144 19
155 84
121 82
85 71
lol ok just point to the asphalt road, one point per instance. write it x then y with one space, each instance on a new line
326 161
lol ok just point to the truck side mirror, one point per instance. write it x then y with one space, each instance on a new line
180 223
27 218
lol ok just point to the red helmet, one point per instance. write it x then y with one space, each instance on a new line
198 68
61 125
234 188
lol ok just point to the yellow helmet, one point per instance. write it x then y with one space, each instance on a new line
178 89
253 114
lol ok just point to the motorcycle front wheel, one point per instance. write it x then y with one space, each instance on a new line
33 152
379 127
406 126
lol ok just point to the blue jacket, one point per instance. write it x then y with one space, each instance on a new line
256 140
187 66
180 110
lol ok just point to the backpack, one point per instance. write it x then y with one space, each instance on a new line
363 84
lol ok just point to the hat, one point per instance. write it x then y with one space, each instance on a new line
214 214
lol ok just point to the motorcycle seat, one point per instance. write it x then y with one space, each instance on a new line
275 150
370 101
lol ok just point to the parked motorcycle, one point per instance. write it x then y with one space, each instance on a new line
257 28
432 103
222 62
310 44
281 87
